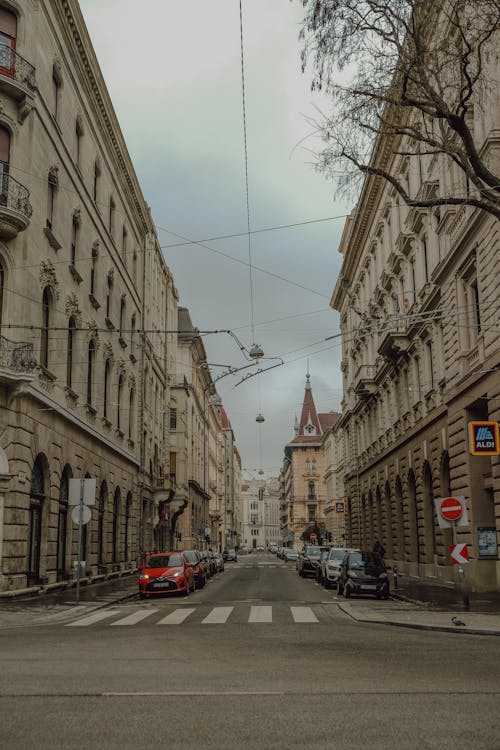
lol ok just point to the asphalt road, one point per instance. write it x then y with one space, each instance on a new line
260 658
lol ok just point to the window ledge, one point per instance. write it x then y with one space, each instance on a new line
75 274
91 410
119 433
51 238
109 324
95 304
47 374
122 342
133 358
71 393
106 422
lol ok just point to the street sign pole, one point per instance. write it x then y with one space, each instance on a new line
462 588
80 525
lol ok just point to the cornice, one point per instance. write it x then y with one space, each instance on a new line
74 24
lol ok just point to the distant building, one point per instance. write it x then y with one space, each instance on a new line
260 513
303 497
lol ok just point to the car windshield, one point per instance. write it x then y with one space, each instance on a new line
365 560
337 554
313 551
165 561
191 555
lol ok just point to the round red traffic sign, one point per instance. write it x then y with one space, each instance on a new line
313 536
451 509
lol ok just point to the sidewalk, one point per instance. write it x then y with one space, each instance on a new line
426 605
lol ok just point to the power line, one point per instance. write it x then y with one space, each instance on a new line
252 231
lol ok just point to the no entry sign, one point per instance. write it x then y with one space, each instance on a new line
451 511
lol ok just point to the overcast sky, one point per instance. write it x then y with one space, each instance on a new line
175 82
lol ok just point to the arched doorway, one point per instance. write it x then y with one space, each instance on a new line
429 514
38 497
413 525
400 518
116 527
62 525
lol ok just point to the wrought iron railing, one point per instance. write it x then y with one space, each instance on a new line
16 67
17 356
15 196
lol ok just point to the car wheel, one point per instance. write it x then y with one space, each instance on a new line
141 595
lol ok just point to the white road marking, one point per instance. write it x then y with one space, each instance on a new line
303 614
261 614
217 616
135 617
176 617
91 619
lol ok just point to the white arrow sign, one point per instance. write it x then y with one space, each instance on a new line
459 554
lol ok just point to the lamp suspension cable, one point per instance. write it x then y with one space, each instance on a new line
245 148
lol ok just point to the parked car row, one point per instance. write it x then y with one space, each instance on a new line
178 572
351 571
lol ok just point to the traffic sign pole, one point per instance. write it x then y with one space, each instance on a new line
461 571
80 525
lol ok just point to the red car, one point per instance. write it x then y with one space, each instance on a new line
166 573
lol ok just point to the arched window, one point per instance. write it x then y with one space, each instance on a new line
107 371
311 491
122 314
429 514
44 334
116 526
108 294
119 404
95 255
71 348
90 370
62 525
103 496
37 498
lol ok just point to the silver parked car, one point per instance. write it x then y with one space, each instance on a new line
330 566
290 554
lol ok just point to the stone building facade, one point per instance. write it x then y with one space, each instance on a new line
85 300
419 310
261 513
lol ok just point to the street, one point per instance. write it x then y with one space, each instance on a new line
258 658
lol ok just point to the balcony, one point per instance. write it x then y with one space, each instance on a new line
15 207
395 340
364 381
17 362
17 80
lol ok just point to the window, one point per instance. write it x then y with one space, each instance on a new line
116 526
74 238
311 513
311 491
90 370
37 498
4 164
8 33
44 334
124 240
470 303
95 185
173 419
416 371
131 402
173 467
69 354
62 526
101 509
121 381
430 369
122 316
132 337
107 372
2 283
78 140
51 196
111 225
95 253
108 294
55 91
134 267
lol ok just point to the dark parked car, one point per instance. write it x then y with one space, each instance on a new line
194 559
308 561
209 570
363 573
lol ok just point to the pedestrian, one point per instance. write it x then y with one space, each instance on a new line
378 549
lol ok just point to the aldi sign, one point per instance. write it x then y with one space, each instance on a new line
339 507
484 438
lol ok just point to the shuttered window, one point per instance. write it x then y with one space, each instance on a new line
8 23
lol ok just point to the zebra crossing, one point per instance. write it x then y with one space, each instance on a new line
202 615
